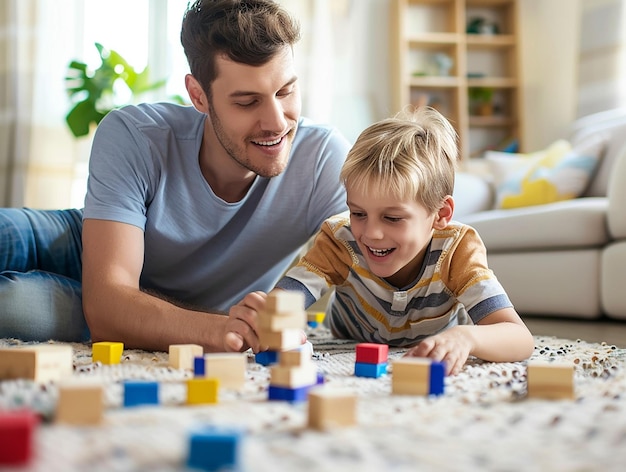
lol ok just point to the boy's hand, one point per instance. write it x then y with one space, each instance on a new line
453 347
241 327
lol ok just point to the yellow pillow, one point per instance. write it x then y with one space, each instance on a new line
556 173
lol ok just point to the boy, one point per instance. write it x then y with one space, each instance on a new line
404 273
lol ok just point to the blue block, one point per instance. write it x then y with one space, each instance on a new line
312 324
198 366
212 448
266 357
362 369
437 374
287 394
137 392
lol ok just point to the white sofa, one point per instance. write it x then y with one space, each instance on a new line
567 258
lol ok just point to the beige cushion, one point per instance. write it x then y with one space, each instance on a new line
570 224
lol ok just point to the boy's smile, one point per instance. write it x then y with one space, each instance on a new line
392 234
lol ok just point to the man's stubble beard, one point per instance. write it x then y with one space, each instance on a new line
239 154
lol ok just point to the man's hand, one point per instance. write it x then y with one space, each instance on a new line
241 328
452 346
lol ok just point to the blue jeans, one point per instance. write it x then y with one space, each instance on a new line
40 275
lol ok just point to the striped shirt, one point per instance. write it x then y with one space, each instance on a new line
454 286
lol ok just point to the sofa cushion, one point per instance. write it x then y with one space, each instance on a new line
556 173
617 195
611 123
577 223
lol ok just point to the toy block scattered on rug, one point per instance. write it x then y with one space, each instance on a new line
80 403
229 367
417 376
41 363
331 408
212 448
313 320
17 430
140 392
202 391
371 360
550 380
107 352
181 356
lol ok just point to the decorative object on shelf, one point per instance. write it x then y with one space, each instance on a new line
443 64
481 101
479 25
94 93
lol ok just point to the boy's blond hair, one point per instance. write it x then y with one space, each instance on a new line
411 156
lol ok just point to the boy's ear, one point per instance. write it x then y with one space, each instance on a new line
196 94
444 215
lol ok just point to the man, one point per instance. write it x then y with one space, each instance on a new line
190 208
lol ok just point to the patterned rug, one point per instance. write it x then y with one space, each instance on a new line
484 421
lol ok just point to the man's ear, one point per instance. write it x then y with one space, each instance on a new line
196 94
444 215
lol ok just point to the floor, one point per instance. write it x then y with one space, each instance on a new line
611 332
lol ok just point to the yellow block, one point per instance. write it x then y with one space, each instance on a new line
202 390
107 352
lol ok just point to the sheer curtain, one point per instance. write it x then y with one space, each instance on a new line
37 153
16 77
602 61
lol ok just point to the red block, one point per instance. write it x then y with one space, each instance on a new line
16 436
370 353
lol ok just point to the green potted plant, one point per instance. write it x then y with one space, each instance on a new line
93 93
481 100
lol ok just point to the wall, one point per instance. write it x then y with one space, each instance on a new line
550 37
354 36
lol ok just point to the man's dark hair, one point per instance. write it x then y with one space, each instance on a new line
246 31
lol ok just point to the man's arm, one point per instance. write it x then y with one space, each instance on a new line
117 310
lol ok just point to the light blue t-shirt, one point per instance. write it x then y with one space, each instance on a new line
200 250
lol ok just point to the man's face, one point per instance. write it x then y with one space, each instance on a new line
254 112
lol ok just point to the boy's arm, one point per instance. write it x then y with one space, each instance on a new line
117 310
499 337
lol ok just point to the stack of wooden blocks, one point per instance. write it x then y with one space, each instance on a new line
280 330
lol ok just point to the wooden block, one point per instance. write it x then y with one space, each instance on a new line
140 392
107 352
17 430
213 448
330 408
181 356
279 322
410 376
293 377
80 403
371 353
229 368
550 380
284 302
281 340
41 362
202 391
295 358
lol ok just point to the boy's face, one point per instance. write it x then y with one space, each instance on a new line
391 234
254 112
